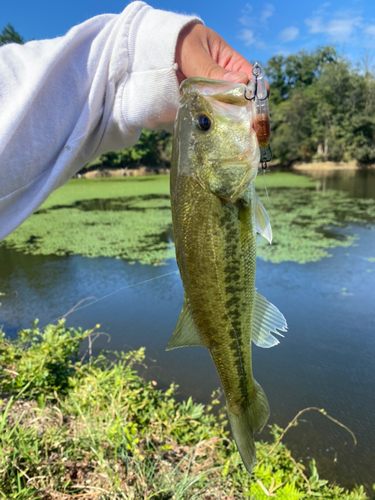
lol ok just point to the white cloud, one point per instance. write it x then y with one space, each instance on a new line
267 12
252 19
370 30
289 34
252 22
339 29
315 25
246 19
247 36
321 9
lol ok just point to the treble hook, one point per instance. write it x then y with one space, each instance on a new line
257 71
245 93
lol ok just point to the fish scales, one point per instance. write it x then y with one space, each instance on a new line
214 162
218 262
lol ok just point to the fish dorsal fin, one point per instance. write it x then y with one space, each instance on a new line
185 334
266 319
262 220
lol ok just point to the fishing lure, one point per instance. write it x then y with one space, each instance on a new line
259 97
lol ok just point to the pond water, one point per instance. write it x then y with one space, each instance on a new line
327 358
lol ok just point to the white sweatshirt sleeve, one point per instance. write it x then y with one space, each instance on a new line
65 101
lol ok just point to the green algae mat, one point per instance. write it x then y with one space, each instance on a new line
130 218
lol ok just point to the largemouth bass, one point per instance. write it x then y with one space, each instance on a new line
216 216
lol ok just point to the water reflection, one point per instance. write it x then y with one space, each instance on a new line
357 183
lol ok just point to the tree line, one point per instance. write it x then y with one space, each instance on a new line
322 108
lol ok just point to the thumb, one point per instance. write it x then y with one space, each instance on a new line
236 77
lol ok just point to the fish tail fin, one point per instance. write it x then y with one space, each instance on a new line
250 419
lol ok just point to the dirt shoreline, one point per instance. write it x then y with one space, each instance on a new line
135 172
330 165
123 172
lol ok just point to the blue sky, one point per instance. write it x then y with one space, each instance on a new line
258 30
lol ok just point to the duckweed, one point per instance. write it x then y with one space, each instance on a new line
129 218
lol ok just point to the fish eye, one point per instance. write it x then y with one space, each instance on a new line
203 122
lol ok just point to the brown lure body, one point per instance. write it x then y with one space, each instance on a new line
262 129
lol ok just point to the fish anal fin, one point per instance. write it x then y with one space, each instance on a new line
262 221
185 334
266 319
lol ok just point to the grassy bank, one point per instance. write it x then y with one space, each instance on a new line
130 218
96 430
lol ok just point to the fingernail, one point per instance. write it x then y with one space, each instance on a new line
236 77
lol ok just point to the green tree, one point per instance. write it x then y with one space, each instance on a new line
321 108
296 71
9 35
154 148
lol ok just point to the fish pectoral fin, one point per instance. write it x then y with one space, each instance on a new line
266 319
185 334
262 221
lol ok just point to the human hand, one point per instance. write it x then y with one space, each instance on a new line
201 52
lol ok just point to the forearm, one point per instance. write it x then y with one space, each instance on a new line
65 101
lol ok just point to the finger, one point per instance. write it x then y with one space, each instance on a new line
226 56
205 66
229 59
218 73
